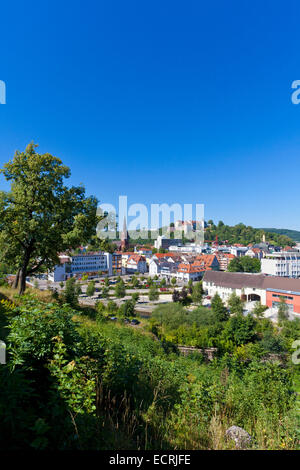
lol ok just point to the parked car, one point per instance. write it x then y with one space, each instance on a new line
163 289
113 318
135 322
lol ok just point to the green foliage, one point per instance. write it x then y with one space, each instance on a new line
239 330
259 309
235 304
291 234
111 306
90 288
153 293
135 282
244 264
40 216
31 332
71 292
243 234
75 380
72 383
218 308
135 297
127 309
197 293
282 311
120 290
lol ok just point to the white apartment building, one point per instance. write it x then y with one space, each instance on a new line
84 263
249 287
189 248
286 264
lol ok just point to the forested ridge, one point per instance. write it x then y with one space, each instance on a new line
244 234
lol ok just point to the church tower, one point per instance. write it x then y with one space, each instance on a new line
124 236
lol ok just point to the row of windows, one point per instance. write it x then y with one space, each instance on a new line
284 296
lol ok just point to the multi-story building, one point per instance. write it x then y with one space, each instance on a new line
117 264
136 263
224 260
286 264
90 263
165 243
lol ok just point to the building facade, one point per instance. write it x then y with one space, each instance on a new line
286 264
254 287
90 263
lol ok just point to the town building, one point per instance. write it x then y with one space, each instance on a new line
254 287
89 263
224 260
254 253
165 243
136 263
117 264
286 264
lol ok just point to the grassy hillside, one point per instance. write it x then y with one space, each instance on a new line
75 380
293 234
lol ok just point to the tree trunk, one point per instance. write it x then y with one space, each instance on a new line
23 271
22 286
16 281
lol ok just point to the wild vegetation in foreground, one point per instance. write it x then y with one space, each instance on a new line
76 380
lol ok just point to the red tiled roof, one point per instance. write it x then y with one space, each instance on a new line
207 260
136 258
166 255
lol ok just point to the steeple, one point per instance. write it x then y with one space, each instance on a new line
124 235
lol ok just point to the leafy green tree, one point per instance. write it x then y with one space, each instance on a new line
250 265
272 343
259 310
240 330
197 293
135 282
235 265
78 290
235 304
120 290
90 288
127 309
111 306
173 281
244 264
105 292
218 308
135 297
283 310
176 296
153 293
40 216
70 294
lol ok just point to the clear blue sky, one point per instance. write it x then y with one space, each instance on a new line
163 101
